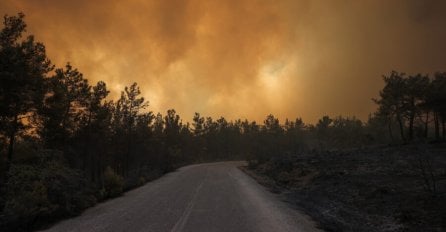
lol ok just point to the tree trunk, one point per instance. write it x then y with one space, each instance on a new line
390 129
99 169
12 135
443 122
426 125
400 123
437 126
11 147
87 161
84 153
411 119
92 168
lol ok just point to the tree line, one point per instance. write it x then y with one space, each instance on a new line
65 145
414 103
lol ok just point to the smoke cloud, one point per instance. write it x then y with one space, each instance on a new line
243 58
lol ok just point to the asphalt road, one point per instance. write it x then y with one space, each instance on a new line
203 197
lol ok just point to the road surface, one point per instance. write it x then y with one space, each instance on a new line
203 197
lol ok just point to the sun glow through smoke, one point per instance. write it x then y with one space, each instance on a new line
243 58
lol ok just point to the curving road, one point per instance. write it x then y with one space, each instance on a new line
203 197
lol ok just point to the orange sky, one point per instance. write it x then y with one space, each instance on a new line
243 58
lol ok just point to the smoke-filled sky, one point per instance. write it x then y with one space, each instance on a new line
243 58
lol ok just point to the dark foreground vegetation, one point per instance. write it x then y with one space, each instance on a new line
384 188
65 146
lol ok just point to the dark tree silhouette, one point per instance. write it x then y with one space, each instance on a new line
436 102
64 107
391 103
415 90
23 68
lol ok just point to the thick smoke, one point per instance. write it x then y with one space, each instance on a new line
243 58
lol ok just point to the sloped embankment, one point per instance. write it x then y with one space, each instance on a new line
374 189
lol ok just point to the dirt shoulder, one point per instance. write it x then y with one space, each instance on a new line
384 188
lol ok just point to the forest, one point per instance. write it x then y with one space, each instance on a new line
65 145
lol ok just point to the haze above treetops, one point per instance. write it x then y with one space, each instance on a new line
243 59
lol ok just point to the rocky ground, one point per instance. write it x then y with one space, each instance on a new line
387 188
